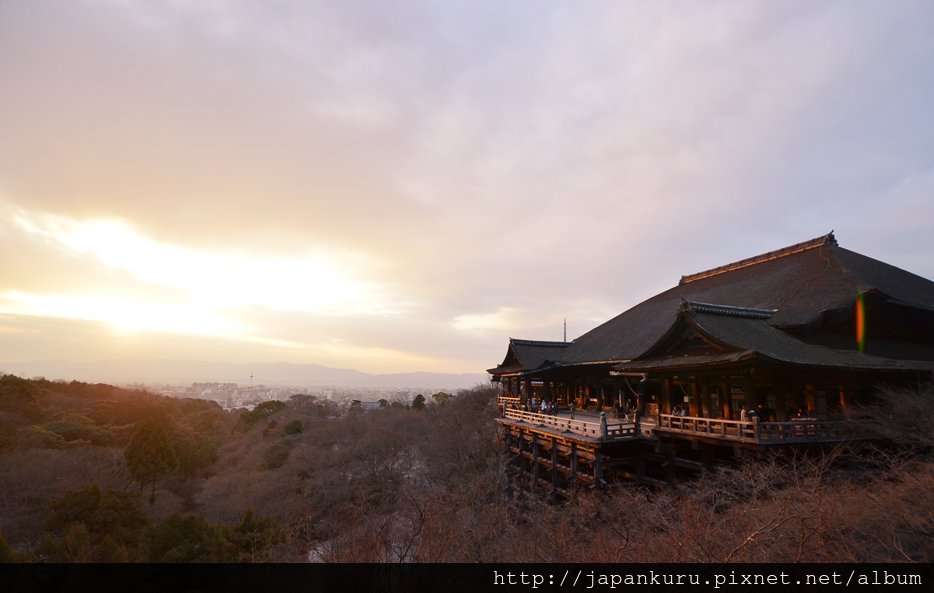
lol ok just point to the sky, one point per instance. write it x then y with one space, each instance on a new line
399 186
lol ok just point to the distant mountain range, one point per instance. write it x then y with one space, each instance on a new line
189 371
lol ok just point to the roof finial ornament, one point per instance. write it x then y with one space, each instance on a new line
685 305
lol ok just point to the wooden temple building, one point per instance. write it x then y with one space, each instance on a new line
767 351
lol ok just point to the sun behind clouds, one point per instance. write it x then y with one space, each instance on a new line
212 286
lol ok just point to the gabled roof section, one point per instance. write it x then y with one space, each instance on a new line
738 338
772 343
796 284
683 339
527 355
826 240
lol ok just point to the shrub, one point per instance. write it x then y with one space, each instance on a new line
293 427
260 412
187 538
275 456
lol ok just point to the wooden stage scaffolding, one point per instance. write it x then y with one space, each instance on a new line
559 452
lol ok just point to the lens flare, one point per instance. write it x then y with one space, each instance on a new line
860 323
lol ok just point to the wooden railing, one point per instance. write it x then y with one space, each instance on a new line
799 430
507 401
598 430
805 430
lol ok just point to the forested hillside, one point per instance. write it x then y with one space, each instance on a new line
93 473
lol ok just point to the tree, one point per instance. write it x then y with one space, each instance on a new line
107 512
261 412
187 538
150 453
255 536
441 397
92 525
419 402
294 427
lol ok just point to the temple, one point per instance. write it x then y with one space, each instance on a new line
763 351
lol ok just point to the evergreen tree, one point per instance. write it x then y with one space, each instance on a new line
150 453
255 536
187 538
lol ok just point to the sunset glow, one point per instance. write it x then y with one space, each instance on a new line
397 187
317 282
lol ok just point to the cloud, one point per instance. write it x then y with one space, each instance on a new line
473 169
318 281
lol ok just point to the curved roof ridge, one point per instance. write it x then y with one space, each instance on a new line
544 343
732 311
827 239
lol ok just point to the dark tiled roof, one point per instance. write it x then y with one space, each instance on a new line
787 288
798 283
773 343
669 362
743 338
527 355
826 240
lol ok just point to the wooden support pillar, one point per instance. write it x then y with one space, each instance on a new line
522 461
843 402
640 469
536 468
671 472
573 461
810 398
554 464
598 468
820 403
666 403
708 456
726 400
694 405
752 398
706 402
